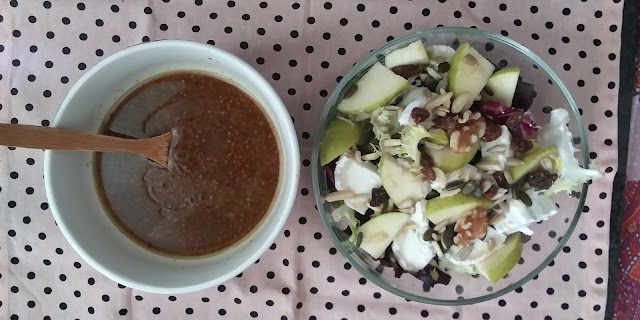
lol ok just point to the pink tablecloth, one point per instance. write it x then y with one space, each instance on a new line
302 47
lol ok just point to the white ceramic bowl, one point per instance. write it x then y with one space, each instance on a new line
71 187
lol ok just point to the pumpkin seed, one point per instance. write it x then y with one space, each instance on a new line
488 91
427 235
470 60
432 194
454 185
351 91
447 236
444 67
524 197
359 237
469 187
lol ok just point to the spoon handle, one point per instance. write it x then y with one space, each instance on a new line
37 137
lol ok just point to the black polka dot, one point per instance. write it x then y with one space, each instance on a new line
155 310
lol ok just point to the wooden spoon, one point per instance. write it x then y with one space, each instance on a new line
36 137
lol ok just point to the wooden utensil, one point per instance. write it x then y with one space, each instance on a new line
36 137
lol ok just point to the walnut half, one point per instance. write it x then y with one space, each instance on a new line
471 226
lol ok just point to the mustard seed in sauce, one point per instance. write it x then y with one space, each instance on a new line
225 168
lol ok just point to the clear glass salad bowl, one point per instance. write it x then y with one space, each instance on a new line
549 236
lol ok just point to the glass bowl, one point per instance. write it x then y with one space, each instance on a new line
549 236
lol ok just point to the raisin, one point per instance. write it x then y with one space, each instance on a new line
491 192
427 167
378 195
541 179
447 123
501 180
514 120
418 115
492 132
407 71
520 144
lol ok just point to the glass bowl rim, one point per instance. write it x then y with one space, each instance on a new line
324 118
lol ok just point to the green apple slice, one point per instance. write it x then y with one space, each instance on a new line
376 88
447 160
438 136
502 86
411 54
451 208
499 263
469 73
339 136
378 232
400 183
531 161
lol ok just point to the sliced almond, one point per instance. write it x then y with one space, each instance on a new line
339 196
459 102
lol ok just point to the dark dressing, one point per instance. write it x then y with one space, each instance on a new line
223 173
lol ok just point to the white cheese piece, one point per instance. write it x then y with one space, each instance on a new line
410 249
497 151
418 215
480 249
359 178
518 217
440 53
413 94
405 116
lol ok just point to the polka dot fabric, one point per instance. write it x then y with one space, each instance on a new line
302 48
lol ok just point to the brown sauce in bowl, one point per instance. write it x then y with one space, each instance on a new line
224 169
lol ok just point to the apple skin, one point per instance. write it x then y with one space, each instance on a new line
499 263
400 183
378 233
453 207
414 53
464 78
447 160
502 85
338 137
531 161
377 87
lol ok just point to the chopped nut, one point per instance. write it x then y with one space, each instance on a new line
459 102
433 73
338 196
391 142
546 164
513 162
439 100
465 117
371 156
476 226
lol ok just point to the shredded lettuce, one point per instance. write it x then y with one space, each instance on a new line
346 214
570 174
381 118
411 136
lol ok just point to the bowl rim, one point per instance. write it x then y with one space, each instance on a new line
285 196
324 118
